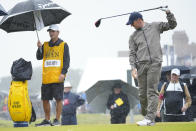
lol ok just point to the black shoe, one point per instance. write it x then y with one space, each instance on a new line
56 122
44 123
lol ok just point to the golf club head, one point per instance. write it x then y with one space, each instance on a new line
97 23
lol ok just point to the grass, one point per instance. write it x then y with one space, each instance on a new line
101 122
127 127
83 119
92 119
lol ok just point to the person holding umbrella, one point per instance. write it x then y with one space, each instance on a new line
176 98
118 104
56 59
145 58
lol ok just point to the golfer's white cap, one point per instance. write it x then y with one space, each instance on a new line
67 84
175 71
53 27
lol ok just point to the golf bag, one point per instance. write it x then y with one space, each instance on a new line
19 104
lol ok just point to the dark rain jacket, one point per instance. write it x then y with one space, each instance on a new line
70 103
119 110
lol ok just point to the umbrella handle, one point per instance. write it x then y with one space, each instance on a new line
40 49
35 26
37 35
36 31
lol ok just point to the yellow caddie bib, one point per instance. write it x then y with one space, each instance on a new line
52 63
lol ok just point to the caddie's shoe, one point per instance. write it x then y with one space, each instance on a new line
145 122
44 123
56 122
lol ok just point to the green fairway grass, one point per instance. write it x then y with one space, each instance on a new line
83 119
101 122
127 127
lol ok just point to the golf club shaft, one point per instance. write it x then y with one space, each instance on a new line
138 11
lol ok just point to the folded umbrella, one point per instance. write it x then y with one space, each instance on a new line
33 15
2 11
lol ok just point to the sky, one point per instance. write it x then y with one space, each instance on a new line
84 39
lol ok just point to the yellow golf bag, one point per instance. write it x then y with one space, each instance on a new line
19 104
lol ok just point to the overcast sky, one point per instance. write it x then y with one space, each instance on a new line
84 39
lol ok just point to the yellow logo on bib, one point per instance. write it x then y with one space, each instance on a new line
119 102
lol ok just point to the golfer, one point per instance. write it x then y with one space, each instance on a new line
56 59
146 60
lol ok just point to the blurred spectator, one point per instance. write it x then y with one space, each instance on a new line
70 103
118 104
175 97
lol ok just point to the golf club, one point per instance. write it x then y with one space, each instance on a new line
98 22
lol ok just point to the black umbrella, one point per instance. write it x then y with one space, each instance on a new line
193 70
188 76
189 79
183 69
2 11
33 15
98 94
167 70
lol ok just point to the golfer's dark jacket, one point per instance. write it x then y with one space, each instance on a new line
74 102
123 109
66 56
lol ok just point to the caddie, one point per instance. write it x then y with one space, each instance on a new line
56 59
